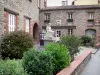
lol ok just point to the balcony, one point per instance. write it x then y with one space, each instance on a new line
69 20
90 20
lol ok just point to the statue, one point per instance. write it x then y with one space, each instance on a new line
49 35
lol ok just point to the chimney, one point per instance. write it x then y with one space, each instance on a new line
64 3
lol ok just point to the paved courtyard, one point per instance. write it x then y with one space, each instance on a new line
93 67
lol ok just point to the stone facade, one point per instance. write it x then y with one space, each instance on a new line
22 9
59 19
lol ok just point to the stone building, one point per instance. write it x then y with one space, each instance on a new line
72 20
20 15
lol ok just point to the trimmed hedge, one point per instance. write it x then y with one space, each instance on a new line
38 63
53 59
15 44
61 57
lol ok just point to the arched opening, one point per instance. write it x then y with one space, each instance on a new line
91 33
35 32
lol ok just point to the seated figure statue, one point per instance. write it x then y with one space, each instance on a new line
49 33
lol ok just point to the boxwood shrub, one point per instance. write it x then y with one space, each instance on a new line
50 61
61 57
14 44
38 63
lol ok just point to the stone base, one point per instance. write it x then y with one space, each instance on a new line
46 42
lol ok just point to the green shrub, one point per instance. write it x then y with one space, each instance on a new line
11 67
61 58
72 42
15 43
38 63
86 40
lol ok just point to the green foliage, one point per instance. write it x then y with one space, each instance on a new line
72 42
61 58
15 43
86 40
11 67
38 63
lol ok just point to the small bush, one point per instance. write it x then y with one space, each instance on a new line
38 63
72 42
15 43
86 40
11 67
61 58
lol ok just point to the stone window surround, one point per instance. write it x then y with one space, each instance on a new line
11 11
90 15
58 33
6 15
47 16
25 18
70 15
90 20
70 31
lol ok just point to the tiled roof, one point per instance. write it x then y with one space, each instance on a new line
72 7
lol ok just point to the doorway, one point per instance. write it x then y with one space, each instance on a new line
35 32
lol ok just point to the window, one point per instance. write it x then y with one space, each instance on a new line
70 31
70 15
11 22
90 19
27 25
47 17
58 33
90 15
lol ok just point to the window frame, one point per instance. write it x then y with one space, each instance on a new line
11 22
58 33
90 15
70 31
70 15
47 17
27 20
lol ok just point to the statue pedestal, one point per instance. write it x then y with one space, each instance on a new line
46 42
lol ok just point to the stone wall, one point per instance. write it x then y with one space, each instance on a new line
1 21
79 69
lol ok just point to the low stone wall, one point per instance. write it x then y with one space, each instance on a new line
77 65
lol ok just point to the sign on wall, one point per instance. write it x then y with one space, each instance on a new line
58 22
